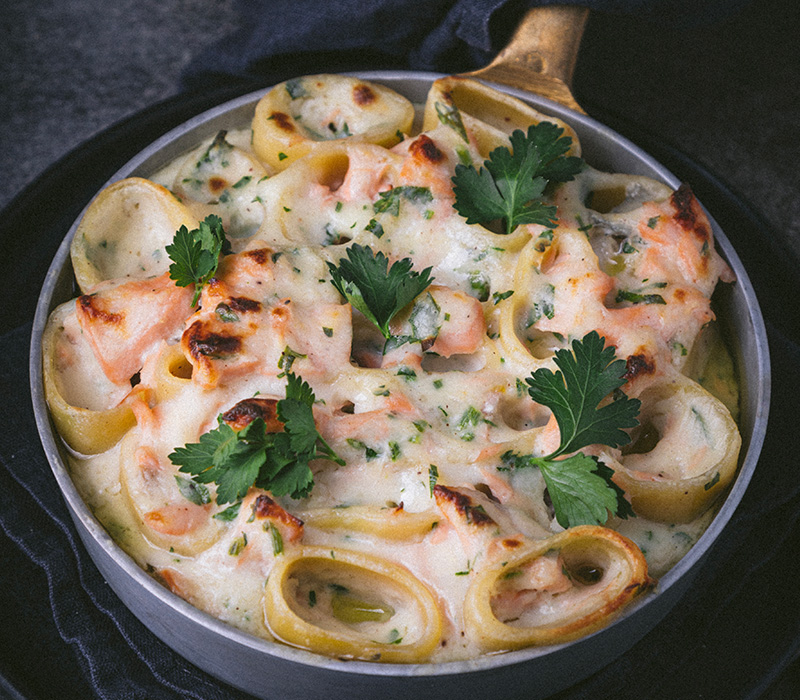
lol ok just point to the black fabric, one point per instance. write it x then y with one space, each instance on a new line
729 637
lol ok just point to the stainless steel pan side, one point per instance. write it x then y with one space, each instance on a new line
269 670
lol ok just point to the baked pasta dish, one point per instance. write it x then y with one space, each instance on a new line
394 382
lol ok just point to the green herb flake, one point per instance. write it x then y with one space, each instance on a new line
374 227
277 538
433 477
389 200
192 491
230 513
450 116
497 297
238 545
465 428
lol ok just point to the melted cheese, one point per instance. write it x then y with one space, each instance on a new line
639 269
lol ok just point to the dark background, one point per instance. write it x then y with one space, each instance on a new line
720 98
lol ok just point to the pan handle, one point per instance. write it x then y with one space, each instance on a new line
541 55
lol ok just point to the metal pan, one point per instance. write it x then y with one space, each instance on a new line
544 60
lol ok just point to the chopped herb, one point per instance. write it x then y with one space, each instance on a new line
229 513
225 313
287 358
499 296
433 477
651 222
389 201
192 491
450 116
295 88
394 451
437 383
479 283
238 545
277 539
369 452
466 424
327 331
374 226
407 373
714 481
394 637
242 181
637 298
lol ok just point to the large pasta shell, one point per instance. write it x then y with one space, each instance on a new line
70 373
684 456
484 114
594 572
296 116
166 517
124 232
351 605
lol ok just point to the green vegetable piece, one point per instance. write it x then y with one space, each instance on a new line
352 610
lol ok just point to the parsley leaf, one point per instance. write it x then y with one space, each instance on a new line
511 184
378 291
590 373
277 462
195 254
580 486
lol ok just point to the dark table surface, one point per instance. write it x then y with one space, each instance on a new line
720 100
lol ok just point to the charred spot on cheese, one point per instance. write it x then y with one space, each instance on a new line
265 507
463 505
638 365
244 305
217 184
89 306
247 410
283 121
423 148
363 95
203 342
687 212
260 256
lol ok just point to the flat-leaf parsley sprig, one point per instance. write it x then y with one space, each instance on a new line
580 486
195 254
377 290
274 461
511 184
